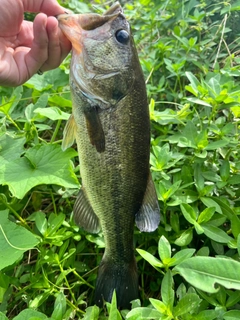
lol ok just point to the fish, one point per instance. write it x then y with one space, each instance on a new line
110 123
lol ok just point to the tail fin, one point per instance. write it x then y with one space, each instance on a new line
121 277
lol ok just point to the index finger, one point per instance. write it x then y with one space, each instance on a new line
49 7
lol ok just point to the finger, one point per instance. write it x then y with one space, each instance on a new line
49 7
38 53
54 49
58 45
10 20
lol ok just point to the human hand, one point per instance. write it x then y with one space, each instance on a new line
26 47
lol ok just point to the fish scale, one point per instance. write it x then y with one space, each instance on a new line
111 125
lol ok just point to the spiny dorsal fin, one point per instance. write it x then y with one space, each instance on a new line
148 217
69 133
84 215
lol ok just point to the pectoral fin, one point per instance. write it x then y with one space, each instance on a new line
95 130
84 215
69 133
148 217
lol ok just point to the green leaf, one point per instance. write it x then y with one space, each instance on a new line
206 215
159 305
217 144
193 80
144 313
226 210
198 101
113 312
185 238
225 170
150 258
216 234
187 304
209 202
59 307
205 273
206 315
167 291
2 316
51 79
14 240
164 250
43 164
232 315
235 226
10 149
180 256
188 212
30 314
92 313
52 113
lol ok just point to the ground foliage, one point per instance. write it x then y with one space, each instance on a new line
189 268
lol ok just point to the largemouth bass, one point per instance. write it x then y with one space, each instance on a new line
110 122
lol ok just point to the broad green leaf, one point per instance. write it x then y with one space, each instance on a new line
2 316
235 226
198 101
217 144
206 215
206 273
51 79
225 170
193 80
144 313
189 213
214 86
10 149
92 313
150 258
185 238
206 315
167 291
232 315
78 6
30 314
180 256
43 164
234 297
164 250
187 304
216 233
226 210
8 106
209 202
52 113
14 240
159 305
59 307
60 100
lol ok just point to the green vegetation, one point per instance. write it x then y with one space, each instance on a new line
190 267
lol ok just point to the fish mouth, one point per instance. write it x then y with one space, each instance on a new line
74 25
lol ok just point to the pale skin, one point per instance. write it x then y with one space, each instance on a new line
26 47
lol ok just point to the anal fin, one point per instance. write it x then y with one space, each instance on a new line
84 215
69 133
148 217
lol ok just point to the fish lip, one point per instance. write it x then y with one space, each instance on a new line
62 16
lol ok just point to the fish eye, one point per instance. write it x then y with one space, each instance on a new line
122 36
